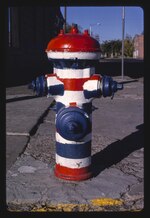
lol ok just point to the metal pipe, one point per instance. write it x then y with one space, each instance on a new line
123 27
65 17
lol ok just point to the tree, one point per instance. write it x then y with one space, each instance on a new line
117 45
105 47
111 48
128 46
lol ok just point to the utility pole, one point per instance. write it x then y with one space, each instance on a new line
65 17
93 25
123 27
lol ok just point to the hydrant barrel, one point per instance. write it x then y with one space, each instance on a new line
74 56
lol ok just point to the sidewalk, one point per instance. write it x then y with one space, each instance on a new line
24 112
117 154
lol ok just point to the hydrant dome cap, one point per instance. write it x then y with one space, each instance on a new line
73 42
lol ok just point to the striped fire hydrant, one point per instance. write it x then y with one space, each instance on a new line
74 85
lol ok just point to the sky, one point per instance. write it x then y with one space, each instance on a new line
109 19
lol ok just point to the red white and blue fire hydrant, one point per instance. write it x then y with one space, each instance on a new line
74 85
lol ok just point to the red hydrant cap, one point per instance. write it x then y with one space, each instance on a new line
74 42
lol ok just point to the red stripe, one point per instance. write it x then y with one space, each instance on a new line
50 75
72 173
74 84
95 77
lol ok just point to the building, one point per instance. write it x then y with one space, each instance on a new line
29 30
138 46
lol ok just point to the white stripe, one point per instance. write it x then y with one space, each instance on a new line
91 85
74 55
73 163
52 81
72 96
74 73
60 139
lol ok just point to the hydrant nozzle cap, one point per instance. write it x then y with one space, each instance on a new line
74 42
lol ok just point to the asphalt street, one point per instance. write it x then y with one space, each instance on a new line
117 154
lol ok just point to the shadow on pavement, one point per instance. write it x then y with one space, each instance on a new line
112 67
129 81
117 151
20 98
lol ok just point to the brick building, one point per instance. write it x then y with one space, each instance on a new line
139 46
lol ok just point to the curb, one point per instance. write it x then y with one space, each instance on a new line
98 204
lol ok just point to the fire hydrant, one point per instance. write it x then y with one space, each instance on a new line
74 85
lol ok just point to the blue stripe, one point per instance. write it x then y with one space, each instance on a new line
74 151
56 90
59 105
92 94
73 63
87 107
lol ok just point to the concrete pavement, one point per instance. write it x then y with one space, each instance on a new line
24 112
117 154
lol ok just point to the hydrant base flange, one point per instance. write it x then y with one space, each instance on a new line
73 175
